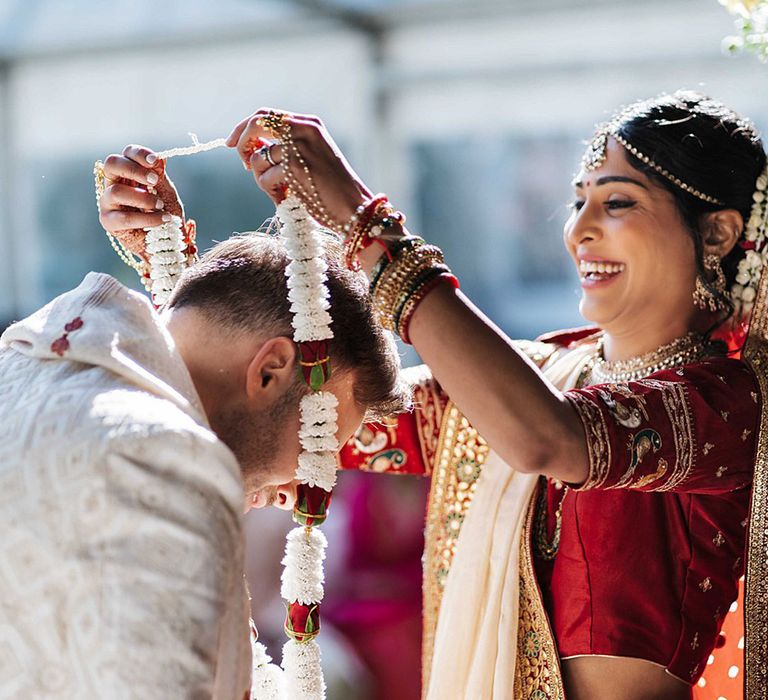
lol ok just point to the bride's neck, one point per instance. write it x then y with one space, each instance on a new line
623 345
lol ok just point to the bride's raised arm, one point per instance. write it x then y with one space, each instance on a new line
524 418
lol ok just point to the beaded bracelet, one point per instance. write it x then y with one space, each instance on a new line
363 214
367 224
387 305
357 229
397 275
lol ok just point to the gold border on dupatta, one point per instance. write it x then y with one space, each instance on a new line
460 455
537 672
756 584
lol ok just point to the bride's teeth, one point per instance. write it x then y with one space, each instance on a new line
600 268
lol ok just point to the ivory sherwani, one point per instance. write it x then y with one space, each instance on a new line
121 556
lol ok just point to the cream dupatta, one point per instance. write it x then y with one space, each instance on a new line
480 624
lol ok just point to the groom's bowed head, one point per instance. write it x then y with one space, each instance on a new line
231 320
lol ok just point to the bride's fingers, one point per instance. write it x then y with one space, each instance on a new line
115 220
121 195
141 154
267 156
266 111
119 166
251 134
272 182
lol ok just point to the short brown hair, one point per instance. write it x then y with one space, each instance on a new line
241 284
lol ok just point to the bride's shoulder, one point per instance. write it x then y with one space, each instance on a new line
557 344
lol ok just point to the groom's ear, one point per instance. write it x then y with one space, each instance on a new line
271 372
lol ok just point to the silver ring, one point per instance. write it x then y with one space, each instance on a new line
266 152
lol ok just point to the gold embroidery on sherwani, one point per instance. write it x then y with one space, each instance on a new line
537 672
458 461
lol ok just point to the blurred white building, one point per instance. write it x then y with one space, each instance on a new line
469 113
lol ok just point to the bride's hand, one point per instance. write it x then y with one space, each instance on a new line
339 190
128 205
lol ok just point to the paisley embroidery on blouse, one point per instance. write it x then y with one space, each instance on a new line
624 415
387 461
640 445
650 478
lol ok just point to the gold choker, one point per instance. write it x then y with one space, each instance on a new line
682 351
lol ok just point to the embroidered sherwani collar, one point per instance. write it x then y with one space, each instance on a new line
105 324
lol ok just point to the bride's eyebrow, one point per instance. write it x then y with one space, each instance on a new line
578 184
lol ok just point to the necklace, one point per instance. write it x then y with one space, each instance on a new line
682 351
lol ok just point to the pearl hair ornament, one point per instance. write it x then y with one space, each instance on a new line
744 290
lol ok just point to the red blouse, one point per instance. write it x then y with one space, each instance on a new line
652 544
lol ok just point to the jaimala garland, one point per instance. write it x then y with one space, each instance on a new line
169 249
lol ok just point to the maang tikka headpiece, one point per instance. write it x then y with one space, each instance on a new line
596 154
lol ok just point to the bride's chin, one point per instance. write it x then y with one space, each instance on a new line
596 313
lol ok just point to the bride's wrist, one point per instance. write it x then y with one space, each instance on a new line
379 251
369 232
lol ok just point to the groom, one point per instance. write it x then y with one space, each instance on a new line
128 443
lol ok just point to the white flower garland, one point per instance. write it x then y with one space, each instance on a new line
303 576
165 247
744 290
301 677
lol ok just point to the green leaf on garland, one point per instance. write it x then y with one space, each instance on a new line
316 378
309 625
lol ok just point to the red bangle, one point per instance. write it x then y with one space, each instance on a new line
358 230
405 322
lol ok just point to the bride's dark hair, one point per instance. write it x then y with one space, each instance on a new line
705 144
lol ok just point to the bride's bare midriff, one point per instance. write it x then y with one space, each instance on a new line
608 678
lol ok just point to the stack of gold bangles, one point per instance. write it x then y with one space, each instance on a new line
403 278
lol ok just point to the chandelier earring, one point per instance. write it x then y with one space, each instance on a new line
708 294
